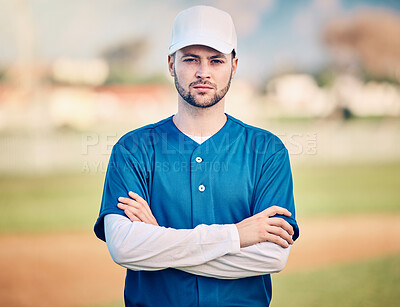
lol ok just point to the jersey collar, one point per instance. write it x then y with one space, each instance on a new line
217 143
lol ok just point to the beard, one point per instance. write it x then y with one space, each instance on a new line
203 101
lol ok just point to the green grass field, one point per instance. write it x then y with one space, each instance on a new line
49 203
367 284
71 201
345 189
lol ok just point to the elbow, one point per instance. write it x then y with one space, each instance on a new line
125 256
119 254
130 260
120 257
275 257
116 253
279 264
281 258
116 240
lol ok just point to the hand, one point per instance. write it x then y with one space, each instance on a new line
137 209
263 227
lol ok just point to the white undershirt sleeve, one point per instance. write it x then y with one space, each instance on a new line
207 250
259 259
140 246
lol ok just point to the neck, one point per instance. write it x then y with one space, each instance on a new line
200 121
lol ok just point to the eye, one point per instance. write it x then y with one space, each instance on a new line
189 60
217 61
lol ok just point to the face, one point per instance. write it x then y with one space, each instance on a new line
202 74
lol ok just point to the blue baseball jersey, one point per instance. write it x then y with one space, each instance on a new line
238 172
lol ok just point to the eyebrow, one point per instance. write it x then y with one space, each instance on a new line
218 56
191 55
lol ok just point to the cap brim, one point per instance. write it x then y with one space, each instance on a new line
206 41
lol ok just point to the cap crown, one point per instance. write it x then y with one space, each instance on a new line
203 25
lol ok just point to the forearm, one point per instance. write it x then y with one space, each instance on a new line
259 259
140 246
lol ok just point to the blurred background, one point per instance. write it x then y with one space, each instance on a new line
324 75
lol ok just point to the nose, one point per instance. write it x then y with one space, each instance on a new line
203 71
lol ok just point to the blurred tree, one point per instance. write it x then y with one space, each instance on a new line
127 52
324 77
124 61
3 76
368 41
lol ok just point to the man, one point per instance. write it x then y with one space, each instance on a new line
199 207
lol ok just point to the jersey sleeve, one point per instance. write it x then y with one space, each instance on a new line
275 187
124 174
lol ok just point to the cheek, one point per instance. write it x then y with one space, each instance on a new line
224 76
184 75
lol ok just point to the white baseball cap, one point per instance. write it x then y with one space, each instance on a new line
203 25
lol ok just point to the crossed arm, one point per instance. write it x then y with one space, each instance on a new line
257 245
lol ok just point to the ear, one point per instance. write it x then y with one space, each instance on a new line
171 60
234 66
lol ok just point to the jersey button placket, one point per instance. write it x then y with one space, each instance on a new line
200 188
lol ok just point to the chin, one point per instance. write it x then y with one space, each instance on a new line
205 104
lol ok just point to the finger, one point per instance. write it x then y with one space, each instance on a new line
139 214
271 211
137 202
137 197
277 240
129 205
124 200
140 200
280 232
132 217
128 212
277 221
135 211
143 210
134 204
129 201
155 222
122 206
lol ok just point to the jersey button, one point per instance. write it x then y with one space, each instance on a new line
202 188
199 160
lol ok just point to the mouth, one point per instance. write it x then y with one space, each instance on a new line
203 88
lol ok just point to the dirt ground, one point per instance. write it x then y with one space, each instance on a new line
75 269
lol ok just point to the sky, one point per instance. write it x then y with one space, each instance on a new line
272 34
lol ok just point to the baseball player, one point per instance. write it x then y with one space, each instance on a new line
199 207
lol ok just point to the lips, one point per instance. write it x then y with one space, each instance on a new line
203 87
